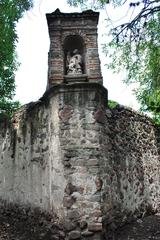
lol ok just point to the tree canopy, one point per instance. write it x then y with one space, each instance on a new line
135 46
10 12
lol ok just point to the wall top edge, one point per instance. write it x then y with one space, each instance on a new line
84 86
85 14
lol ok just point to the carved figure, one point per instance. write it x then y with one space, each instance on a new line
74 63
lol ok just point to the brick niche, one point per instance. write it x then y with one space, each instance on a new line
69 31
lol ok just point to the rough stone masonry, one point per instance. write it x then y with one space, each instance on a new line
69 154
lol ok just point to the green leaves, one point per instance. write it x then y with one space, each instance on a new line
135 48
112 104
141 59
10 12
7 108
85 4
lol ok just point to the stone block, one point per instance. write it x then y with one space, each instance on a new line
83 224
95 227
73 215
68 202
96 213
92 162
74 235
70 188
87 233
69 225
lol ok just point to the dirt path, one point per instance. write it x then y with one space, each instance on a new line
20 224
147 228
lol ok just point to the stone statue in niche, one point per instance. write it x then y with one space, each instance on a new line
74 63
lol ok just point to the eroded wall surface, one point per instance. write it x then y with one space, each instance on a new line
68 153
131 166
50 157
31 168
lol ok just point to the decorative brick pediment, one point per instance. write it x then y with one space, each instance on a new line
73 54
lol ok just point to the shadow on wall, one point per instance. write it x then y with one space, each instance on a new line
157 136
131 171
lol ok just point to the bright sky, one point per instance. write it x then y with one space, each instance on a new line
33 47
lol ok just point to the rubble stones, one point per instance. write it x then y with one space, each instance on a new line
87 233
68 202
95 227
66 113
100 116
69 225
74 235
83 225
73 215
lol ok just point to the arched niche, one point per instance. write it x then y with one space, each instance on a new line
71 43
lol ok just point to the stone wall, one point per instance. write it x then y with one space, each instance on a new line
130 168
50 156
31 168
96 168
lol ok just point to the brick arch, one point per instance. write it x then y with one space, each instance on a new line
80 33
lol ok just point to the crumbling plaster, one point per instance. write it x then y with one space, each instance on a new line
91 165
